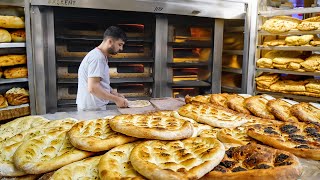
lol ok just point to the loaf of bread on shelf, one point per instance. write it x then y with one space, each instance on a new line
310 24
313 86
16 72
294 66
3 102
264 63
310 65
298 40
280 66
288 54
11 22
286 60
315 43
276 42
17 96
289 85
13 59
4 36
18 35
266 80
279 24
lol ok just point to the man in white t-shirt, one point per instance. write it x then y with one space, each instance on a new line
94 90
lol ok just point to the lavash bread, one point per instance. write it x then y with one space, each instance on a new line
152 127
3 102
115 164
16 72
12 59
4 36
18 35
47 153
17 96
19 125
190 158
11 22
96 135
84 169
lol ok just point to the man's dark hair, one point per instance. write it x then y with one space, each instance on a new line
115 32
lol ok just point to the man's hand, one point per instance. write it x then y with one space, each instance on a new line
121 102
116 93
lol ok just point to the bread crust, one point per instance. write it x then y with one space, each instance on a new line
4 36
236 103
11 60
286 172
306 112
115 164
219 99
234 135
152 127
258 106
18 35
11 22
16 72
213 152
281 110
96 135
200 98
3 102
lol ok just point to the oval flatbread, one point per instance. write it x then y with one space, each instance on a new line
96 135
152 127
115 164
190 158
138 103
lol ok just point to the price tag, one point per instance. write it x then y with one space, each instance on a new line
62 2
290 101
245 95
267 97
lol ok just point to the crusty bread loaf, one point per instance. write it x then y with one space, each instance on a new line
18 35
4 36
17 96
11 22
3 102
12 59
16 72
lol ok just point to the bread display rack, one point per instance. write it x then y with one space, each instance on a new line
307 50
15 63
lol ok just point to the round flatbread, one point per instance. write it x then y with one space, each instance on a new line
96 135
138 104
115 164
190 158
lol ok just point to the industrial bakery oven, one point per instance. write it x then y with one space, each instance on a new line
174 47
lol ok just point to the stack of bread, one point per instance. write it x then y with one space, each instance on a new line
215 136
14 66
302 40
273 82
290 60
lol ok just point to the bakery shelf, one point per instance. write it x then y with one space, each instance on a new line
17 3
12 45
234 29
190 83
290 96
230 89
112 80
17 80
288 72
191 44
232 70
233 52
122 60
291 32
289 11
290 48
99 38
186 64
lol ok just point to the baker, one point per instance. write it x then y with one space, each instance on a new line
94 90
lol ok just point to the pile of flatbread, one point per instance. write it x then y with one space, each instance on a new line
208 137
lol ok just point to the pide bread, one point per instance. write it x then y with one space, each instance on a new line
11 22
212 133
3 103
138 103
256 162
279 24
281 110
11 60
298 40
152 127
10 145
16 72
4 36
19 125
190 158
18 35
115 164
236 103
96 135
213 115
17 96
47 152
84 169
306 112
199 98
258 106
300 139
219 99
236 135
310 24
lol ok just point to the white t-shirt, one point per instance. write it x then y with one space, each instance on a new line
94 64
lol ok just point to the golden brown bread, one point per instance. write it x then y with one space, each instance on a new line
11 22
257 105
288 54
298 40
306 112
11 60
264 63
3 102
276 42
281 110
285 60
266 80
308 26
236 103
219 99
17 96
16 72
4 36
18 35
279 24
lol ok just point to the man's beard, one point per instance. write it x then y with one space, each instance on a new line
112 51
